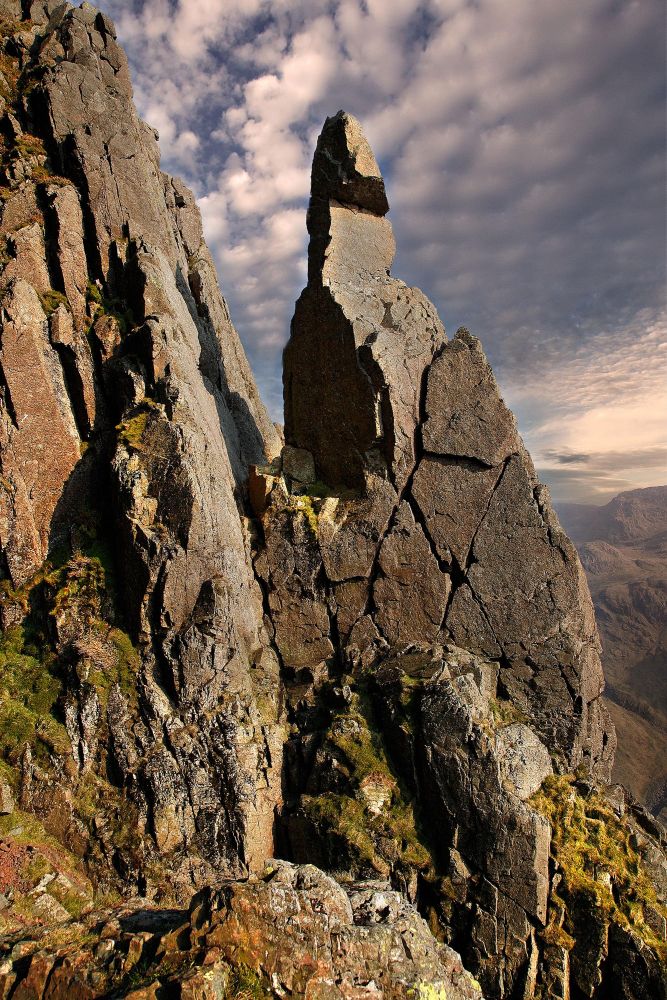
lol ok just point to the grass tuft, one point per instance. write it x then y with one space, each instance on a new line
599 856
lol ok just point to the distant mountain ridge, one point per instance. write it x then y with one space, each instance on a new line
632 516
623 548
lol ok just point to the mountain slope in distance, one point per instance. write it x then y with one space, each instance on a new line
623 547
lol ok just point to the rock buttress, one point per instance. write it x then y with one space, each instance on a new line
435 628
129 417
358 336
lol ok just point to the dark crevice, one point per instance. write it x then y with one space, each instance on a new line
74 389
470 559
72 169
474 460
554 542
266 607
420 519
458 578
6 396
334 633
162 674
51 233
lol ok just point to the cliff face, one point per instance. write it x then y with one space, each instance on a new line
373 650
129 418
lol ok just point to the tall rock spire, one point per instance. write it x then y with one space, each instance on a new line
441 585
377 394
360 339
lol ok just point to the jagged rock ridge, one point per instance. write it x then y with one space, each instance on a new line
391 669
129 418
432 618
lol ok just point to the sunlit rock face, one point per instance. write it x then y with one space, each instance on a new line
129 417
442 654
465 544
362 370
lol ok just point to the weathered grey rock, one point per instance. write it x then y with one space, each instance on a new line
19 209
7 805
164 400
378 333
460 543
27 258
290 566
482 813
405 756
93 124
411 593
465 416
298 464
294 929
524 760
11 9
39 440
209 603
350 530
71 254
453 495
76 358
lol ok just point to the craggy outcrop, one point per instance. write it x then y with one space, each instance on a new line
433 620
377 334
291 931
129 419
373 650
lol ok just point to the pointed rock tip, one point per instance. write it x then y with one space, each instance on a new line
344 167
463 339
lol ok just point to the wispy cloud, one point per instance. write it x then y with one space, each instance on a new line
523 146
596 422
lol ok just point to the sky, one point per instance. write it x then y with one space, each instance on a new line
522 144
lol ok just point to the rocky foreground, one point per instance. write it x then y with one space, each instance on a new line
369 650
291 931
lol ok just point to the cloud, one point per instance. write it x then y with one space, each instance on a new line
598 417
523 148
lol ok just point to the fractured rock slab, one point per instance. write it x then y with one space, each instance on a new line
38 436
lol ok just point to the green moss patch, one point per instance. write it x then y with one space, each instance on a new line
76 594
131 431
371 826
51 300
598 856
104 305
30 145
29 689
